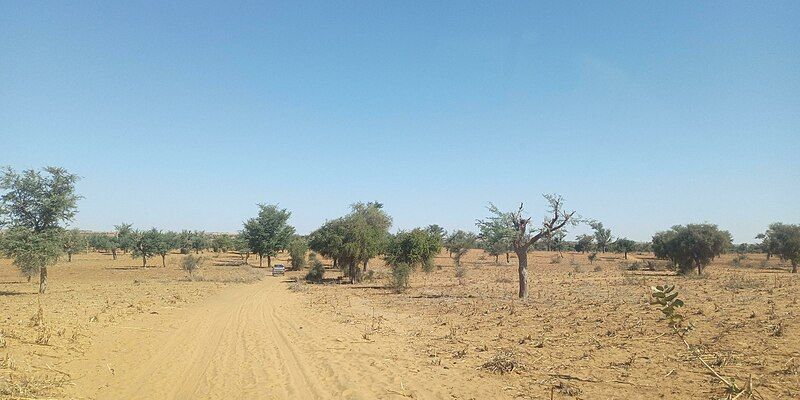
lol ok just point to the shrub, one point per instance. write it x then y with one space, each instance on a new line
592 257
692 246
191 263
401 273
298 248
317 271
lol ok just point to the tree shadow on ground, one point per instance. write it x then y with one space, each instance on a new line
12 293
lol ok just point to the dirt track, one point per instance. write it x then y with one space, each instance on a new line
259 341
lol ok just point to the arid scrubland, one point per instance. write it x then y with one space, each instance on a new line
588 330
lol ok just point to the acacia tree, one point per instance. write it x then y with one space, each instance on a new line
495 240
785 242
269 232
624 245
163 243
74 242
601 235
584 243
145 244
242 246
199 241
417 247
556 242
458 244
222 243
328 240
34 207
691 246
407 250
367 232
124 237
104 243
516 226
354 239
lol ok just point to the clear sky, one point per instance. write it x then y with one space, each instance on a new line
641 114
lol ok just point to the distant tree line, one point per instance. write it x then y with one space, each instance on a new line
37 206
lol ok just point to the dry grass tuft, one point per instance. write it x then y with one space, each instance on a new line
297 285
503 362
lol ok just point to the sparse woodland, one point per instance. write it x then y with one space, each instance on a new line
523 302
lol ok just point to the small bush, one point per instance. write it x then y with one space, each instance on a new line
317 272
191 263
503 362
297 253
400 276
597 268
738 282
461 273
592 257
555 260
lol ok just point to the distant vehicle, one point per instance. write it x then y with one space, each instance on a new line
278 269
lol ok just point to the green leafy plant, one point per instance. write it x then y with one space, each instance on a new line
666 298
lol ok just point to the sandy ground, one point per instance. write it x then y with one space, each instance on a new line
111 330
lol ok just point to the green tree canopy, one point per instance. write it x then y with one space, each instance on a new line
124 236
416 247
691 246
222 243
74 242
328 240
145 244
163 243
602 236
584 243
624 246
458 244
269 232
298 248
355 238
784 241
34 206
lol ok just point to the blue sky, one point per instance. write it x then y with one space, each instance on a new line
641 114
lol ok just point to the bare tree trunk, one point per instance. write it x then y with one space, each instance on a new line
335 262
114 254
269 261
260 261
508 259
144 262
69 257
496 257
365 266
42 279
522 258
164 260
625 255
794 266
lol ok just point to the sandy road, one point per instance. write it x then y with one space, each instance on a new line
259 342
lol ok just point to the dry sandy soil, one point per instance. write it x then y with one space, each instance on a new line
112 330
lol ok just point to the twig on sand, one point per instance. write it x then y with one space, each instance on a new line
400 393
574 378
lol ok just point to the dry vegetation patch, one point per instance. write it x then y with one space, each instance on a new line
587 329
